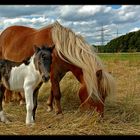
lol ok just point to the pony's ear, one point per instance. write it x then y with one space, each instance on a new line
26 61
36 49
51 48
48 48
99 74
43 46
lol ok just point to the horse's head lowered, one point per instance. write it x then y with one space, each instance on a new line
43 60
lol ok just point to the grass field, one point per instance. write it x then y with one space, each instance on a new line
122 111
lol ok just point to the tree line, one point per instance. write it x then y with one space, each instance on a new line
125 43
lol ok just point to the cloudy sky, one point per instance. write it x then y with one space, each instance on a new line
88 20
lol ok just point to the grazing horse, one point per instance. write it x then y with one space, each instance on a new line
26 78
71 53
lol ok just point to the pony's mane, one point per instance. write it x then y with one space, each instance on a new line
45 27
78 52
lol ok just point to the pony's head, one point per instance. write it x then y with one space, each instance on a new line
43 60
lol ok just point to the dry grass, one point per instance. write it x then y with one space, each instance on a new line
122 113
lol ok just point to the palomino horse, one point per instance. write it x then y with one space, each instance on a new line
27 79
71 53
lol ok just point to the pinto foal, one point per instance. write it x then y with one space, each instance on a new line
27 79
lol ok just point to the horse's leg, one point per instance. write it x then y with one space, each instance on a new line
29 104
55 91
2 116
88 103
21 98
57 95
35 96
7 96
50 101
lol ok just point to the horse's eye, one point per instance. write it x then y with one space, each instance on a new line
43 55
44 58
39 62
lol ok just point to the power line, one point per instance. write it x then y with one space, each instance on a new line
103 34
117 32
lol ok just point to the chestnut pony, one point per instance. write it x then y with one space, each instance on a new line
71 53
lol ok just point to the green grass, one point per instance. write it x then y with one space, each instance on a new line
120 56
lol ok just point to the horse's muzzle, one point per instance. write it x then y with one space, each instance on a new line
45 79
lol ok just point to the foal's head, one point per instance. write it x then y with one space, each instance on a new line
43 60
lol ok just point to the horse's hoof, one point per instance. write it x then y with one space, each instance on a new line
30 124
49 109
59 112
5 120
5 103
22 103
59 116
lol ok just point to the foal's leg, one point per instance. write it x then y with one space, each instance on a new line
2 116
35 96
29 104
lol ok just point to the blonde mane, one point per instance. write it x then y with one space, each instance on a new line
78 52
45 27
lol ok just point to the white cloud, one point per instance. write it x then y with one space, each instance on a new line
134 29
26 21
90 9
84 19
93 9
128 13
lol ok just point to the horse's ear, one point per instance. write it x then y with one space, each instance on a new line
51 48
26 61
48 48
36 49
99 74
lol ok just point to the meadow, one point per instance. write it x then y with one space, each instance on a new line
122 110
